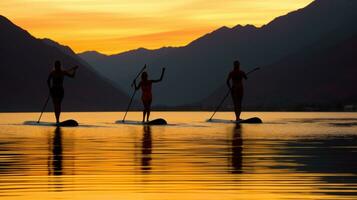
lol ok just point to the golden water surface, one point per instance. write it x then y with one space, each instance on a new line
290 156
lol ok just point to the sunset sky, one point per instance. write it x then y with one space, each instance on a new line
113 26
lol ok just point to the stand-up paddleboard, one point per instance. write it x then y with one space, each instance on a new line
158 121
67 123
254 120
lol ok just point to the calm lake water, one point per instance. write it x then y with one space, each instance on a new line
290 156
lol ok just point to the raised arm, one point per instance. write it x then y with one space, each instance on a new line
161 77
71 72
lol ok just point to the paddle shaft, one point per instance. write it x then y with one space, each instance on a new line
43 108
225 97
132 96
137 76
131 100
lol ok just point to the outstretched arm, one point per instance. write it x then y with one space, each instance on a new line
72 71
161 77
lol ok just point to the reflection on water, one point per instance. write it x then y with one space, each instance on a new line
237 150
55 159
146 149
291 156
56 168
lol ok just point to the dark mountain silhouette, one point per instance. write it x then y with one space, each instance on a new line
25 63
65 49
92 56
321 76
123 68
195 70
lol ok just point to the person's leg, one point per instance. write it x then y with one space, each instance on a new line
239 99
235 103
144 111
237 113
58 112
238 109
57 108
144 114
57 97
148 110
147 113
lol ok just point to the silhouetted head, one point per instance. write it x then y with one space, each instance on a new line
58 65
236 65
144 76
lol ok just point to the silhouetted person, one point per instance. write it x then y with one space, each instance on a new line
237 90
55 83
146 149
146 85
237 150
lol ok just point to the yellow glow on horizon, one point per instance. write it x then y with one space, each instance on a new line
112 26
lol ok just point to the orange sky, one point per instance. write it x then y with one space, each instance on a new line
112 26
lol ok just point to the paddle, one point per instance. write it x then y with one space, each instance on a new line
43 108
229 91
132 96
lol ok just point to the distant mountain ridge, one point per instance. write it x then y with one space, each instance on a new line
65 49
196 70
130 63
321 77
25 63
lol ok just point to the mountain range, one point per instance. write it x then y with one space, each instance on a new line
320 77
196 71
25 63
306 59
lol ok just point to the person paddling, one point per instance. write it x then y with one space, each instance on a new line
55 84
146 97
237 90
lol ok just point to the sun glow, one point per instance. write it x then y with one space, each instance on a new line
112 26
